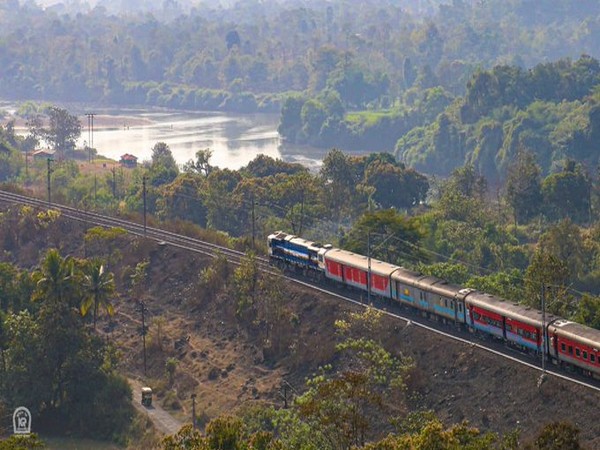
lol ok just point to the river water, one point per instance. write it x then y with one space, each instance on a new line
235 139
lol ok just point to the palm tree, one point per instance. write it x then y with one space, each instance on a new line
98 286
57 279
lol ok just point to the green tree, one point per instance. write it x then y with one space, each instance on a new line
98 287
185 439
313 115
56 283
265 166
523 187
548 272
170 368
395 186
452 272
245 284
588 311
506 284
347 406
105 243
393 237
222 207
340 178
297 195
202 163
182 199
8 286
557 436
28 442
63 130
226 432
433 435
564 240
567 194
467 182
290 122
163 168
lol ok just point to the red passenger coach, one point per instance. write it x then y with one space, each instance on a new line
346 267
487 321
576 345
352 270
333 270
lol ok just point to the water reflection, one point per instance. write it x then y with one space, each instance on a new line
234 139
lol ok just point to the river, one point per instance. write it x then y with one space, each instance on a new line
235 139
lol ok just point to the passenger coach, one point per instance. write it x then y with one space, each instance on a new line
352 269
562 341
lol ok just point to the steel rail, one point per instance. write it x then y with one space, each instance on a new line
212 250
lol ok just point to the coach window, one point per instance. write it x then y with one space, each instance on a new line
570 349
563 347
577 352
476 316
584 354
446 302
592 357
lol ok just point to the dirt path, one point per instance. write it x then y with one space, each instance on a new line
162 420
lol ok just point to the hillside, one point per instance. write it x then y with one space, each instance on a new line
224 361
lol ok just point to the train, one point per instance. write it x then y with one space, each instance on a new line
560 341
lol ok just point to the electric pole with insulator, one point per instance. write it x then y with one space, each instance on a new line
143 330
144 195
49 188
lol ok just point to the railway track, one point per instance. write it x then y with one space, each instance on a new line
156 234
234 256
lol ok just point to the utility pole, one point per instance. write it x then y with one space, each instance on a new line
194 411
90 117
49 188
85 225
369 267
544 338
114 186
369 256
543 329
144 195
301 213
95 191
253 228
143 331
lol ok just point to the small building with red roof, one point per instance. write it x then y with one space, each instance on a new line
128 160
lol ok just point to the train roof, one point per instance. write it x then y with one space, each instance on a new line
439 286
508 309
576 332
361 262
279 235
282 236
406 276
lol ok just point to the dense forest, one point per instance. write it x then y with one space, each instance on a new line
441 84
52 360
459 228
462 141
